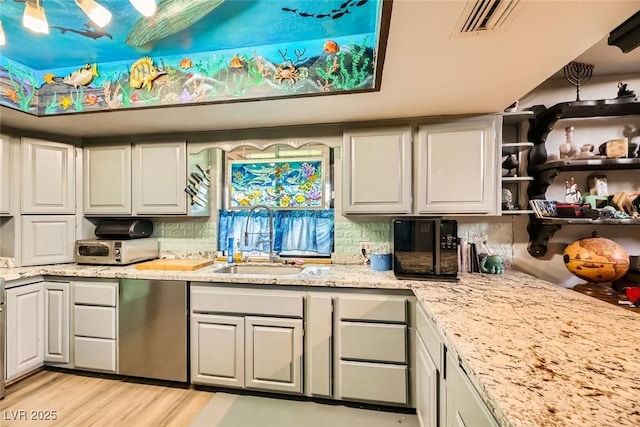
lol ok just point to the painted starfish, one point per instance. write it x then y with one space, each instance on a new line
12 94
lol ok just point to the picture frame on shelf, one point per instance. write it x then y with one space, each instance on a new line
544 208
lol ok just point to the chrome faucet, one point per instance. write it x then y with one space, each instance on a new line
272 256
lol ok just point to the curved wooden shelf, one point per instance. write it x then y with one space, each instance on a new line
541 230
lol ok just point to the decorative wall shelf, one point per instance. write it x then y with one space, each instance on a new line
543 172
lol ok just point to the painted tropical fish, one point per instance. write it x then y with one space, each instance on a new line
236 62
186 63
331 47
65 102
49 78
143 73
82 76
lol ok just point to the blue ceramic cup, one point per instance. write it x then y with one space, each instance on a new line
380 262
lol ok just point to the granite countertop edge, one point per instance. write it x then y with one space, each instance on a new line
537 353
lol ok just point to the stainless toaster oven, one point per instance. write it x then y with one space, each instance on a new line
116 252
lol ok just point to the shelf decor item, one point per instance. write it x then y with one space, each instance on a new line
544 208
578 73
511 164
599 261
569 149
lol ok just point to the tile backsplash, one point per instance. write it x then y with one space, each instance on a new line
185 236
190 236
348 235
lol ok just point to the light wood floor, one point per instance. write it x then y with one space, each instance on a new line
83 401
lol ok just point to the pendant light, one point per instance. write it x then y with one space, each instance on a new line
3 40
34 18
97 13
145 7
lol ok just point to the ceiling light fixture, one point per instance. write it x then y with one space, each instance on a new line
145 7
3 40
34 18
97 13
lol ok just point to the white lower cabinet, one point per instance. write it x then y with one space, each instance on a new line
95 330
446 396
427 386
56 322
372 359
237 340
318 346
464 406
217 350
95 354
25 329
273 354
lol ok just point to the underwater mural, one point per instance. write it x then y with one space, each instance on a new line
287 183
189 52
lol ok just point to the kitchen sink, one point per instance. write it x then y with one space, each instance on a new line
269 270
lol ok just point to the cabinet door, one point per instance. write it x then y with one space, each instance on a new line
159 178
377 171
107 179
5 175
48 177
217 350
427 398
25 329
56 322
47 239
464 406
456 168
273 354
318 348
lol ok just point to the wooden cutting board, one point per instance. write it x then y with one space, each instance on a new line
174 264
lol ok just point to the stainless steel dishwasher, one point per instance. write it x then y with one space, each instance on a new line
152 326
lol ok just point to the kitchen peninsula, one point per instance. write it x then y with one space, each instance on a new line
538 354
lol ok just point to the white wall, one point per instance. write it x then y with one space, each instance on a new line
594 131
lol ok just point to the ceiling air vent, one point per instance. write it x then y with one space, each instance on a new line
483 16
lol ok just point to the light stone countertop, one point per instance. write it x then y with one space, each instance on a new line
539 354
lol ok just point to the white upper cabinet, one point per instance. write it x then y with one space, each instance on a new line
48 177
107 179
5 175
159 171
377 171
139 179
47 239
456 167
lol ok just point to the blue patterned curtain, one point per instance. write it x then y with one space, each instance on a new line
299 230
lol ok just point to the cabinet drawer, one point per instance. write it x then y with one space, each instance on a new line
429 336
96 293
373 382
97 322
376 309
374 342
210 300
95 353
